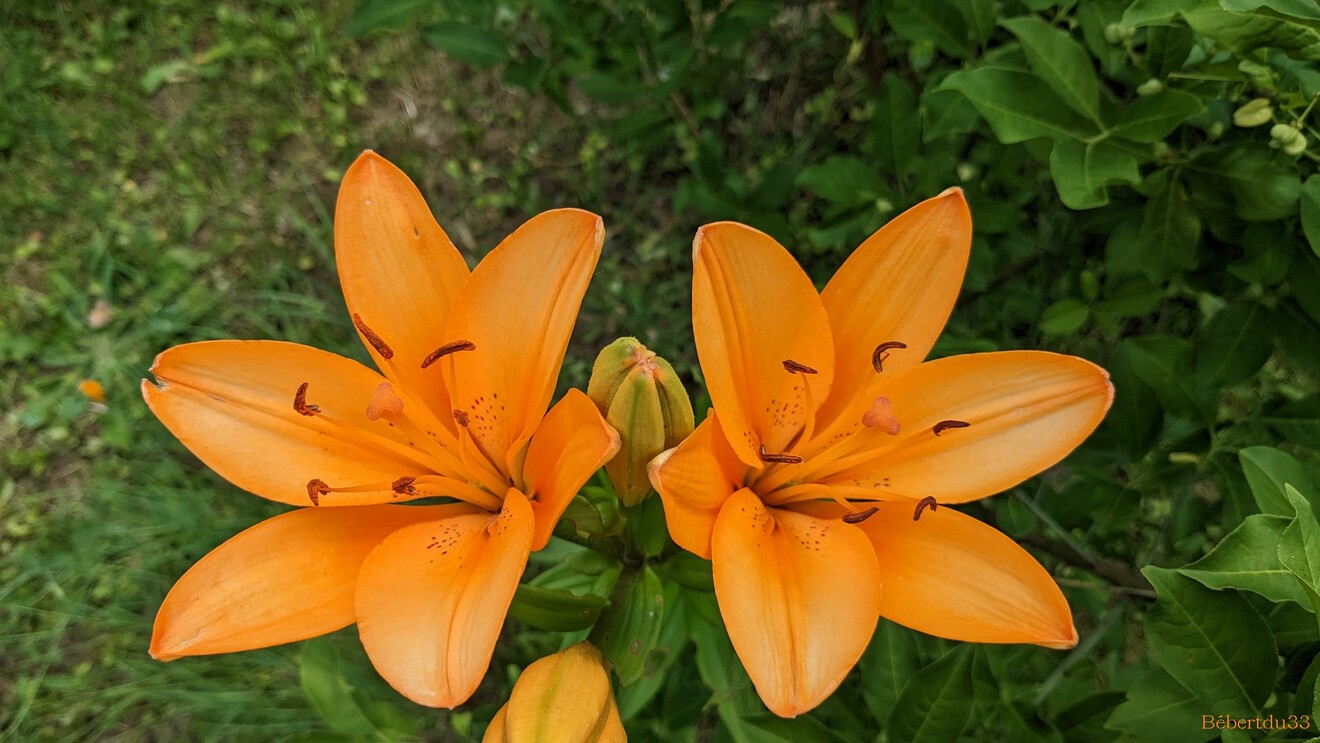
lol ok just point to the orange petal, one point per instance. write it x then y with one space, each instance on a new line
800 596
288 578
753 308
900 285
399 272
561 698
232 404
432 597
1026 409
694 479
572 442
952 576
519 307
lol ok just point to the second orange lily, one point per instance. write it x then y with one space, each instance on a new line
820 477
468 366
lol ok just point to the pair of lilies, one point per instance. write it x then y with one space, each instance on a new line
817 485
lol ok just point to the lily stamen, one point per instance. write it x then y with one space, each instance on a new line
300 401
860 516
793 367
376 341
946 425
461 417
316 489
922 505
881 353
779 458
446 349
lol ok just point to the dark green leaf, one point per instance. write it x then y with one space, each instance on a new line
1308 9
467 43
1247 560
934 703
1212 642
1152 12
629 630
1170 227
1299 545
1310 208
1262 184
1151 118
1060 62
1267 470
1017 105
370 15
1298 421
843 180
1063 317
554 609
1233 345
896 125
328 691
937 23
1082 172
1158 708
890 660
1165 364
1247 32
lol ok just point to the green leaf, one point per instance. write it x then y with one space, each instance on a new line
1060 62
554 609
896 125
1155 12
1082 172
890 660
1299 545
1151 118
1165 363
843 180
1308 9
370 15
1246 32
1297 421
936 23
1310 208
1268 470
1213 643
1262 184
629 631
1018 106
1170 227
1063 317
1136 417
1158 708
329 692
467 43
1233 345
934 703
1247 560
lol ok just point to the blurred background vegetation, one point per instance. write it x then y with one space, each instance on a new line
167 174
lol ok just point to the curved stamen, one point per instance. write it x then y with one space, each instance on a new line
860 516
793 367
376 342
942 426
316 489
922 505
881 353
300 401
779 458
445 350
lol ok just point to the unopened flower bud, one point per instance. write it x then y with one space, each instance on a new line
1117 33
1254 112
1150 87
565 696
1284 134
641 396
1297 146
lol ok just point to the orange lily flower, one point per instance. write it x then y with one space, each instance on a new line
468 367
823 470
561 698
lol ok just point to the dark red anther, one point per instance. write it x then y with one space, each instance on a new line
881 353
943 426
300 402
922 505
403 485
447 349
860 516
381 347
793 367
316 489
779 458
461 417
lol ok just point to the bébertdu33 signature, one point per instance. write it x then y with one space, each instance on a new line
1268 722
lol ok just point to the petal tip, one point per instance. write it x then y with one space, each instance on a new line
955 191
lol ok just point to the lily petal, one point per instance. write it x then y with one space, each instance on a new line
432 597
800 596
285 579
572 442
694 479
232 404
753 309
952 576
399 271
1026 411
518 308
562 698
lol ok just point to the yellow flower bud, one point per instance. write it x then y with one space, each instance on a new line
1150 87
1254 112
561 698
1297 146
1283 134
641 396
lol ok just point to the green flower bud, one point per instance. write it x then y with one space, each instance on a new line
1297 146
1150 87
1254 112
641 396
1284 134
1117 33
